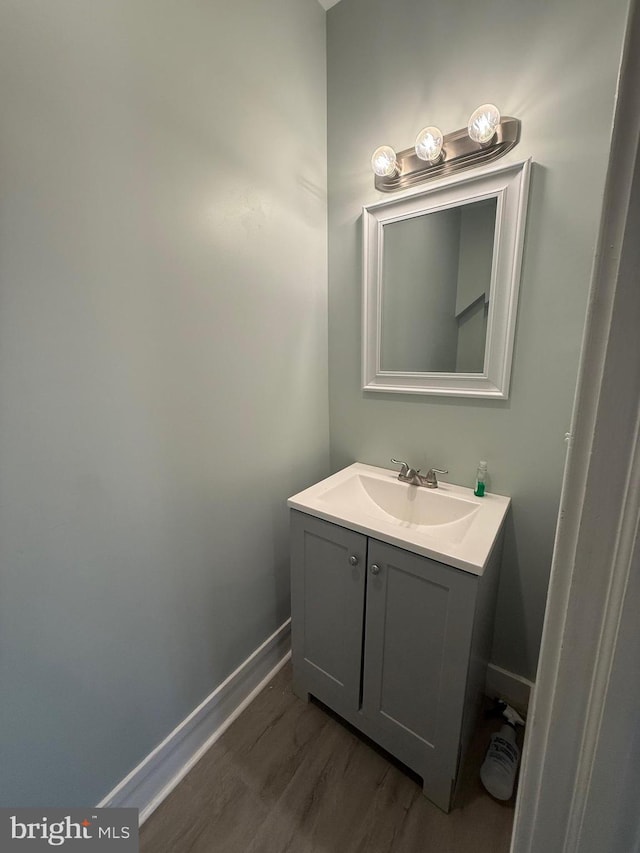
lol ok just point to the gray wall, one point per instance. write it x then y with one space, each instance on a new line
393 68
163 380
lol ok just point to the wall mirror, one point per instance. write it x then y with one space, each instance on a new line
441 278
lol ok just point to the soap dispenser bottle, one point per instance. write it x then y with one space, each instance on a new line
481 477
498 772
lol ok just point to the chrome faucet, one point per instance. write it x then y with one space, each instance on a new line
415 478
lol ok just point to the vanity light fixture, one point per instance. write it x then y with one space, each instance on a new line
487 137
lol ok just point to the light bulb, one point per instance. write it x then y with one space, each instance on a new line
384 161
429 144
483 123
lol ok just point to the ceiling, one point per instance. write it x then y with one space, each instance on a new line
327 4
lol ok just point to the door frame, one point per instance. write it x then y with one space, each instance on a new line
585 637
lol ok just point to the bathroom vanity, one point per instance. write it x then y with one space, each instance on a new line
393 591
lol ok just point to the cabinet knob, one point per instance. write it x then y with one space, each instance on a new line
353 560
375 569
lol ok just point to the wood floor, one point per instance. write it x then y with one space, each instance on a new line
288 777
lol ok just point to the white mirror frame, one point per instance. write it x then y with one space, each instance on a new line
509 185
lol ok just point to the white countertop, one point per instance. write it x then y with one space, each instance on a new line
449 524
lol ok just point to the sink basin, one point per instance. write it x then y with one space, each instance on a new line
396 502
449 523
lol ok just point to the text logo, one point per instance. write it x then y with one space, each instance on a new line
88 830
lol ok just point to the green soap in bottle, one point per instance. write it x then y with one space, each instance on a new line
481 476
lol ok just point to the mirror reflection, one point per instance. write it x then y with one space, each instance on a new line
436 288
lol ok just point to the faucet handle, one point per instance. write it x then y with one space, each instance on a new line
404 466
430 480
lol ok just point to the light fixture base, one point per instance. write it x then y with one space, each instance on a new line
460 151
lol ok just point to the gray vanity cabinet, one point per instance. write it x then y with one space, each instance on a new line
395 643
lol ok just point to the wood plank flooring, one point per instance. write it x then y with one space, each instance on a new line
288 777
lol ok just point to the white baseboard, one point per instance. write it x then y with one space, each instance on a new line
513 688
158 774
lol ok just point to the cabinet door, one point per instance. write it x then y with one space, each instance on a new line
417 644
328 566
